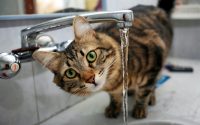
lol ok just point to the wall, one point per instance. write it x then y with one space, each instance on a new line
186 42
111 5
11 7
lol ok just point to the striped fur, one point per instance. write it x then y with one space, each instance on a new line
150 39
149 42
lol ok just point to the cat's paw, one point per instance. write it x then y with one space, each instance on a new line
139 112
112 112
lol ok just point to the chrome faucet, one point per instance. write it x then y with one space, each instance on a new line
32 38
123 19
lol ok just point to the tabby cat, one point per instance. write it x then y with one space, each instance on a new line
92 61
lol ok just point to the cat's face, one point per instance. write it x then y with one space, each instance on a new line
89 64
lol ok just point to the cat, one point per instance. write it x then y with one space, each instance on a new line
92 62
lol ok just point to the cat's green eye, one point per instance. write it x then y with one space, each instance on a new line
70 73
91 56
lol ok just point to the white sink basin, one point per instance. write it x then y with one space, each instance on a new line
164 122
99 120
91 112
156 123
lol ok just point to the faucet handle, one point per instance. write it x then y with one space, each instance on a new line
44 40
24 54
9 65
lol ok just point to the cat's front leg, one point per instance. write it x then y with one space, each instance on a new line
114 108
142 100
152 100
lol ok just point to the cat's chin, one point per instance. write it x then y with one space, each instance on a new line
95 87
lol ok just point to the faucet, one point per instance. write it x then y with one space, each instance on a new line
10 63
123 19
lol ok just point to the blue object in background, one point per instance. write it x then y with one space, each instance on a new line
162 80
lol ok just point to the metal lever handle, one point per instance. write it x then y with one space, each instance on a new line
9 65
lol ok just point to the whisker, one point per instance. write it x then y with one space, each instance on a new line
114 60
108 67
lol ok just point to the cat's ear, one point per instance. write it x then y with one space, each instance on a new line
81 27
50 60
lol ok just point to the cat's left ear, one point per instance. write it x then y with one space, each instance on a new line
81 27
50 60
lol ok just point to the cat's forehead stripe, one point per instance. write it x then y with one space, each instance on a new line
82 53
68 64
70 51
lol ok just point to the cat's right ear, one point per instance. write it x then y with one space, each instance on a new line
81 27
49 60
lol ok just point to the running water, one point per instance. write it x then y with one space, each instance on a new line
124 57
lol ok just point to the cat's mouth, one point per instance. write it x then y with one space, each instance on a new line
94 83
100 80
96 87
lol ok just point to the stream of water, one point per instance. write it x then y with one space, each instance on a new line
124 56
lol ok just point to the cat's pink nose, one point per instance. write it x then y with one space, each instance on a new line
89 77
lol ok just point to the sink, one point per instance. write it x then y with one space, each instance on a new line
99 120
156 123
91 112
164 122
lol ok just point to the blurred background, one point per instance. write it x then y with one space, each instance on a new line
10 7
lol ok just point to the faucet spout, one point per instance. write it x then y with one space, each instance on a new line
123 19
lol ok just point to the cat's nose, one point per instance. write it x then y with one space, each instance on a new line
89 77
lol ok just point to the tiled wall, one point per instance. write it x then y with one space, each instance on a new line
31 97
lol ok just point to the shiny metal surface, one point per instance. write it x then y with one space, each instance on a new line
122 18
9 65
44 40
